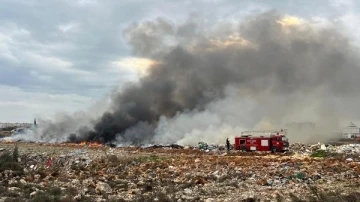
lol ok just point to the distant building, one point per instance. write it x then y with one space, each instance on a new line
16 125
351 131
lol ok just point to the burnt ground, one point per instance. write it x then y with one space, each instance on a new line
69 172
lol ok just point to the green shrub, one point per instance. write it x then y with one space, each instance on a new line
42 197
9 162
320 153
15 153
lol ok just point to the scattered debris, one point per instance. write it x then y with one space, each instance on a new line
176 173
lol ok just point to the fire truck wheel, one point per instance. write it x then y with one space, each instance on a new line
273 150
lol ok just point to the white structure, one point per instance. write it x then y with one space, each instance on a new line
351 131
21 125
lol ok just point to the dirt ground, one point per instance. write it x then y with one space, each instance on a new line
100 173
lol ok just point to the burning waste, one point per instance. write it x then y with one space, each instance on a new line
212 81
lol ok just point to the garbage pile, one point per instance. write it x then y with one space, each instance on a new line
136 175
202 146
299 148
309 149
349 149
170 146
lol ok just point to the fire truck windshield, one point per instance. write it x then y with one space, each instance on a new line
285 139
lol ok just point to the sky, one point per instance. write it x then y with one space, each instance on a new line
66 55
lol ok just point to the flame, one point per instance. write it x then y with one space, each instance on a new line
8 141
82 143
95 144
89 144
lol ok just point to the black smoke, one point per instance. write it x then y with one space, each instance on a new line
195 63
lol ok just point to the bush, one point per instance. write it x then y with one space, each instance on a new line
16 199
9 162
15 153
52 194
320 153
42 197
318 195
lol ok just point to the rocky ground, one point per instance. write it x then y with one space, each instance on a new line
4 133
70 172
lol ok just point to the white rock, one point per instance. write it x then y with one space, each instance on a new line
87 182
13 188
77 197
12 181
349 159
75 182
33 193
323 147
187 191
103 187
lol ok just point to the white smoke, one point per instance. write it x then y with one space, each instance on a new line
272 70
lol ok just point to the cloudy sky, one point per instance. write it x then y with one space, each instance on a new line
64 55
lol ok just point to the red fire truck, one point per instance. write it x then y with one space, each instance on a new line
269 140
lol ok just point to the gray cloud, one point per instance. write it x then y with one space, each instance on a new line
88 34
64 47
284 69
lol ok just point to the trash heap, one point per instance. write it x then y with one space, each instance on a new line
348 149
307 150
174 174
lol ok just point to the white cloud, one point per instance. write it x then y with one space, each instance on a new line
342 3
40 76
76 46
350 21
133 65
87 2
51 64
71 26
19 105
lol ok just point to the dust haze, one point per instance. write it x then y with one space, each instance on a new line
212 81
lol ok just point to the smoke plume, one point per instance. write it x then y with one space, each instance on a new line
209 82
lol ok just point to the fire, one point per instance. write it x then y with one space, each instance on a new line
95 144
83 144
9 141
90 144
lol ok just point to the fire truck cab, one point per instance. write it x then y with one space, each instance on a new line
276 141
